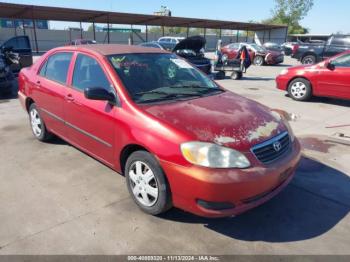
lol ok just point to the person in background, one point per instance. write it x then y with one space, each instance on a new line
244 57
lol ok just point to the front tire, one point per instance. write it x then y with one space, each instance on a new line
147 184
37 124
300 89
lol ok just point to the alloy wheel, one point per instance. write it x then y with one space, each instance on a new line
36 123
143 183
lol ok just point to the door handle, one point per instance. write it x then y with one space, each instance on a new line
38 83
70 98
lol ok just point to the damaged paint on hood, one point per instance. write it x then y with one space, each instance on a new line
225 119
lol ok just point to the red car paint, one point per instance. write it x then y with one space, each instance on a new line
324 82
270 57
226 119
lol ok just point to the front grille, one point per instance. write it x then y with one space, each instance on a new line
272 149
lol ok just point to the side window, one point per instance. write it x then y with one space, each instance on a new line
88 73
342 61
56 67
18 42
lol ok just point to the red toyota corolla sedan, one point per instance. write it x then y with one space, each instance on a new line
179 138
329 78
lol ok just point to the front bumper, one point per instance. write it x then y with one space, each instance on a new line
282 82
243 189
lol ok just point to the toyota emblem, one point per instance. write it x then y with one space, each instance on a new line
277 146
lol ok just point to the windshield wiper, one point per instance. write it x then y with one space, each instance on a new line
165 95
204 90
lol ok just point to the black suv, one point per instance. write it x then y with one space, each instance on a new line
311 53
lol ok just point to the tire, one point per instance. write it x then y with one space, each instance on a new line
220 75
308 60
258 60
300 89
37 124
147 184
236 75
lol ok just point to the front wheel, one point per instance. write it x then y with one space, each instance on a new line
37 124
300 89
258 61
147 184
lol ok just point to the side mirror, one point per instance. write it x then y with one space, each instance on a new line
99 93
329 65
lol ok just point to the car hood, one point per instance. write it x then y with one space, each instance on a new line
195 43
226 119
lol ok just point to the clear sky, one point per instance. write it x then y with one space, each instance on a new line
325 17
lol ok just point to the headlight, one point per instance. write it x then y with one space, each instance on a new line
212 155
284 72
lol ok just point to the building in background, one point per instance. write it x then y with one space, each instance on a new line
9 23
164 11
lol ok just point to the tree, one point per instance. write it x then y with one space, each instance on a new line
290 12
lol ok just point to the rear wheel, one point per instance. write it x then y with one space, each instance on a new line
300 89
258 61
236 75
37 124
308 60
147 184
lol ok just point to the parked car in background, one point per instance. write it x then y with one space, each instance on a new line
328 78
258 54
192 49
153 44
169 42
21 46
311 53
179 138
83 42
270 46
288 47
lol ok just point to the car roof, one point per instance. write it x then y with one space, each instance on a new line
112 49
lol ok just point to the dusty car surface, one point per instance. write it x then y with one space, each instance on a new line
329 78
179 138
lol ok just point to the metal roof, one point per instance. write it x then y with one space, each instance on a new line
19 11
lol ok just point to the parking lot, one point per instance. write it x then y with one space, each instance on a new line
57 200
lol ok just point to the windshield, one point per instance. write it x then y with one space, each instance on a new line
258 48
153 77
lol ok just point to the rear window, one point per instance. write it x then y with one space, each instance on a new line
56 67
341 41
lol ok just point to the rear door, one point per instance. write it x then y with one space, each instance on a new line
335 83
20 45
91 123
49 90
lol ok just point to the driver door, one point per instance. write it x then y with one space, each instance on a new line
335 83
91 123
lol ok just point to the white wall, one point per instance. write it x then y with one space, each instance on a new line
273 35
